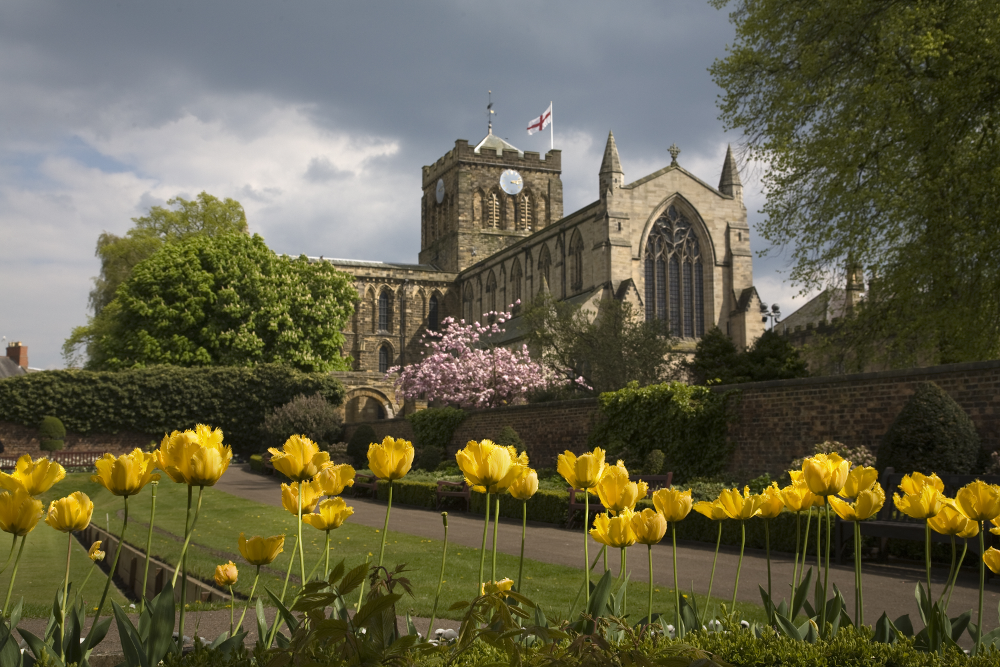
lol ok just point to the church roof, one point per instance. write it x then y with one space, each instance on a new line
497 144
611 163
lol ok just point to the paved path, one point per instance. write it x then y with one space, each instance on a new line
888 587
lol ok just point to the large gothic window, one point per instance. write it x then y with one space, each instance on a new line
384 310
433 319
576 262
675 290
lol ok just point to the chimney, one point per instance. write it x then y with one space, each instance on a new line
18 354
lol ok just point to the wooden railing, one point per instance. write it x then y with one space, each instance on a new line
69 459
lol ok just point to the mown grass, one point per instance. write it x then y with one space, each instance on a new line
224 516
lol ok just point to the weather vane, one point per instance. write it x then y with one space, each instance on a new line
489 112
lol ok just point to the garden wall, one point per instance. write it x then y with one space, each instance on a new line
776 422
17 439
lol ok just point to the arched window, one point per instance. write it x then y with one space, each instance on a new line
432 314
576 262
544 262
384 354
525 219
515 282
674 275
529 278
478 202
467 303
503 288
384 310
479 300
493 210
491 293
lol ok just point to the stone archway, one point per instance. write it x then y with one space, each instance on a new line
367 404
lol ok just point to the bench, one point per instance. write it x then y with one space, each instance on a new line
890 523
366 483
576 507
460 490
266 460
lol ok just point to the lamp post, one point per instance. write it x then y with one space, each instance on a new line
774 314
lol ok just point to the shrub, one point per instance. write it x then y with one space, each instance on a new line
430 458
257 463
311 416
654 462
49 445
931 434
161 399
51 428
357 446
689 423
509 437
434 427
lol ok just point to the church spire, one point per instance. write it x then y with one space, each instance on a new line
611 174
729 183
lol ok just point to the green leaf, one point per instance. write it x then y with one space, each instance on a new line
786 626
884 631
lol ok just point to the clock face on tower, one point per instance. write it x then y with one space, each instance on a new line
510 182
439 193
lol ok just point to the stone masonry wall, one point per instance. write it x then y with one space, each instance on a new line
776 421
17 439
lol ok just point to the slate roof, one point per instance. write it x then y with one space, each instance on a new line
9 369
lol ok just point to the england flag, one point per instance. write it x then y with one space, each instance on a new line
541 122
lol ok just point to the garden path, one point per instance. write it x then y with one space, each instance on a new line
887 587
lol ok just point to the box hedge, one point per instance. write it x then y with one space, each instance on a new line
161 399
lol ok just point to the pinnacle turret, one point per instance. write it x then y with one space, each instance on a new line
611 175
729 183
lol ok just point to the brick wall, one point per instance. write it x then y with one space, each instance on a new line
777 421
17 439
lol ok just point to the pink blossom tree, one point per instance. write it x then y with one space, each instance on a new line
463 367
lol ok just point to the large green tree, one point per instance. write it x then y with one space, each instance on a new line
230 301
607 349
878 123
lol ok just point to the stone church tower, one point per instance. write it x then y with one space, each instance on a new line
493 232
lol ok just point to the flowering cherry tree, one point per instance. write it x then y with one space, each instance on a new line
461 366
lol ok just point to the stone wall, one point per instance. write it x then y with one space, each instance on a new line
776 421
17 439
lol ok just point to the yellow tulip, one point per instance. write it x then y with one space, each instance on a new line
710 509
866 505
518 469
771 503
335 478
261 550
94 553
299 458
19 512
736 506
673 504
391 459
35 477
195 458
649 526
923 505
127 474
617 492
912 484
501 588
799 481
614 531
996 526
525 487
992 560
798 498
226 575
330 514
979 501
825 474
584 471
484 464
861 478
311 493
70 513
949 521
970 531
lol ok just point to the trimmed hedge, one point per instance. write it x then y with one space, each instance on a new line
257 463
161 399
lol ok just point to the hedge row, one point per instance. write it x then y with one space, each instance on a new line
161 399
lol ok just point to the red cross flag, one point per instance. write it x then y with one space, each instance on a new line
541 122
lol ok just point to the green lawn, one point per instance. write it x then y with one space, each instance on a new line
223 516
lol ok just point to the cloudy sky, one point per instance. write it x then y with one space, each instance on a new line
317 117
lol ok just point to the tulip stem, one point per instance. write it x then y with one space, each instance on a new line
385 528
76 596
496 529
624 577
982 582
249 599
326 553
798 547
718 541
361 591
961 559
927 556
65 596
677 588
444 557
951 571
859 601
649 605
107 584
232 610
149 546
826 571
13 575
184 573
586 546
482 555
767 553
284 589
187 528
524 527
298 533
739 563
604 552
9 555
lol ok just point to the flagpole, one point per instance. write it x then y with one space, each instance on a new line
552 129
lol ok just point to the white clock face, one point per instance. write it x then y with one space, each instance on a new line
440 191
510 182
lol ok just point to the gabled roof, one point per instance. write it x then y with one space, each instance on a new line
9 369
497 144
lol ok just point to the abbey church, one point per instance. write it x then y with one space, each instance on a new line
493 232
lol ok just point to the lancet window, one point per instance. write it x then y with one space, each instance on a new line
674 276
